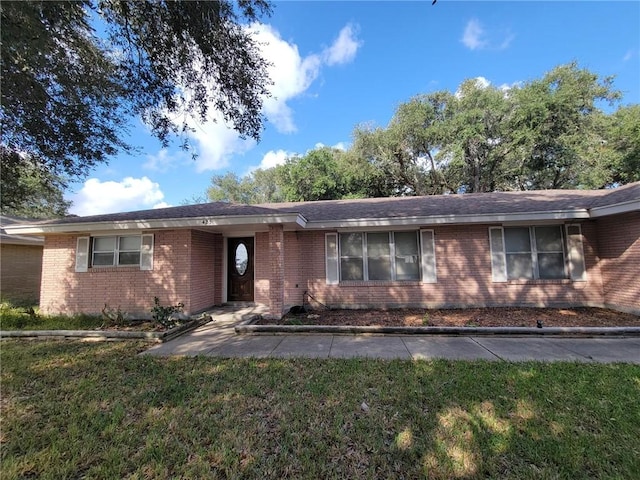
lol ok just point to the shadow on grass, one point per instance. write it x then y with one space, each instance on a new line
74 409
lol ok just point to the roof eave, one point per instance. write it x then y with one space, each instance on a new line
154 224
615 209
578 214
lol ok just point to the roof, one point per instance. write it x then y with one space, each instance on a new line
5 238
535 205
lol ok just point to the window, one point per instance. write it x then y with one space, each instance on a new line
116 251
111 251
381 256
537 252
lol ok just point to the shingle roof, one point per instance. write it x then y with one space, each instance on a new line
497 203
6 220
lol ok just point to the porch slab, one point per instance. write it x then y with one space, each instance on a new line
450 348
520 349
385 347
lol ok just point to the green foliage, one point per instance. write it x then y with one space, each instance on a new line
28 189
67 95
162 314
546 133
623 133
14 317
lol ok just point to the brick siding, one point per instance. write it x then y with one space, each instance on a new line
184 271
619 248
20 272
189 268
464 277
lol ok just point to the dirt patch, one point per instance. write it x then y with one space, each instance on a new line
468 317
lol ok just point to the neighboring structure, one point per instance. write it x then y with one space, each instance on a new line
533 248
20 264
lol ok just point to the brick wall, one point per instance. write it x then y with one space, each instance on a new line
262 269
205 270
276 269
66 291
20 272
619 248
464 277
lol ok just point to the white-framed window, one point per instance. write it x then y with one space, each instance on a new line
380 256
114 251
543 252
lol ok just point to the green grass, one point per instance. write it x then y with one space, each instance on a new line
14 317
97 410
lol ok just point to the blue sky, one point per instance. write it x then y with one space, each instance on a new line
339 64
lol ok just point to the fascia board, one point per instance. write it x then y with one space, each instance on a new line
157 224
617 208
451 219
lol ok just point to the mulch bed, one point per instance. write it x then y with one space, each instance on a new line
467 317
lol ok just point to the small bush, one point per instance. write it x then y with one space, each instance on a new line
162 314
113 317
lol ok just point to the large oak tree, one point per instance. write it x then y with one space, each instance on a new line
68 94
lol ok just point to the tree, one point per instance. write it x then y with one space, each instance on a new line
554 134
67 95
311 177
260 186
472 137
623 137
28 190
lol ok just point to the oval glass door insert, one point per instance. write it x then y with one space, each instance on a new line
242 259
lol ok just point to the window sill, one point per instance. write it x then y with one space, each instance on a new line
124 268
378 283
555 281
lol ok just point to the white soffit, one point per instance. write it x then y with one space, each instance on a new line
290 218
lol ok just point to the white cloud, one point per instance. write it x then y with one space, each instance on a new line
292 75
629 55
217 142
482 82
474 35
274 158
162 205
97 197
271 159
344 48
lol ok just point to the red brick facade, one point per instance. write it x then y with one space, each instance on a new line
464 277
20 272
189 267
619 252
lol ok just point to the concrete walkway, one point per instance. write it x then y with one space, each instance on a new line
218 339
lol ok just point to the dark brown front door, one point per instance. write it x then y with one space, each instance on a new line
240 266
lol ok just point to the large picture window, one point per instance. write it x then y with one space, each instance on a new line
382 256
536 252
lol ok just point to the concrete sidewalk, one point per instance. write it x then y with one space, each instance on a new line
218 339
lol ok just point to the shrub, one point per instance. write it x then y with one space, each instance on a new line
162 314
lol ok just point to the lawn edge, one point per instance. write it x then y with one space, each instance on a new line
158 337
369 330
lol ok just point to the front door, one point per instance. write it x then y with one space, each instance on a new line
240 267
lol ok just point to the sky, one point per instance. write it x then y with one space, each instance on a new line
336 65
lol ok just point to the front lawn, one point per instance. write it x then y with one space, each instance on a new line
87 410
